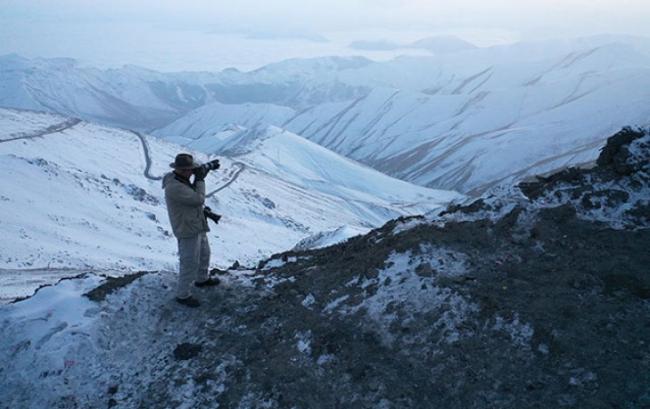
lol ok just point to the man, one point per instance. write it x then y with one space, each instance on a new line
185 202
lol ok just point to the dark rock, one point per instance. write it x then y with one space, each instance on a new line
474 207
113 284
538 187
268 203
615 152
609 198
640 212
628 283
141 195
424 270
186 351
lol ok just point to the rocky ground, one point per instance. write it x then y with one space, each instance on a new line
535 296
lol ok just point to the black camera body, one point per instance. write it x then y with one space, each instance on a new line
206 167
209 214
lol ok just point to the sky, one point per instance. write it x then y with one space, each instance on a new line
214 34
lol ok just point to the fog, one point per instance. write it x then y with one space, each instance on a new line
207 35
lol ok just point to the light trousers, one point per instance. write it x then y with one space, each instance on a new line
194 260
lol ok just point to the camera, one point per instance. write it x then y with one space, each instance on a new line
209 214
208 166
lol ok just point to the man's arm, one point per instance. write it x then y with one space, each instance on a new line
186 195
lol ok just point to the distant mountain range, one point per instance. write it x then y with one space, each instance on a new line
462 120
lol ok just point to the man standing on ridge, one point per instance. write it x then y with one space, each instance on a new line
185 205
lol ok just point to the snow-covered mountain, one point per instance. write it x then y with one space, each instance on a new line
78 195
464 120
142 99
469 120
533 296
292 158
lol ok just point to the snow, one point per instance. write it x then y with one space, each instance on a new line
334 304
79 198
469 120
14 124
308 301
47 337
84 203
400 284
277 262
21 283
329 238
408 225
304 342
78 349
520 333
291 158
461 121
502 199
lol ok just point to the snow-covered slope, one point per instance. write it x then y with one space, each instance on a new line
469 120
78 195
292 158
198 126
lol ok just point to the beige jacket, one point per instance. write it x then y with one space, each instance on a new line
185 205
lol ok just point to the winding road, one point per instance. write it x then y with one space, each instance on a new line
147 169
147 155
60 127
233 178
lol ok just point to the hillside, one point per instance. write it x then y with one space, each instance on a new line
292 158
78 195
533 296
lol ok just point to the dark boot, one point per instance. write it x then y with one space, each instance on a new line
188 302
210 282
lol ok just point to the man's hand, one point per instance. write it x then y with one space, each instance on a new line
200 173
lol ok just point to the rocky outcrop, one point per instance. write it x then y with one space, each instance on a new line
533 300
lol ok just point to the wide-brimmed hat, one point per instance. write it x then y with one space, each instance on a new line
183 161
